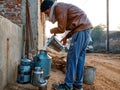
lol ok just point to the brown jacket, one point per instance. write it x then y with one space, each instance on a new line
71 18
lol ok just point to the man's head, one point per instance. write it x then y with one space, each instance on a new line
45 6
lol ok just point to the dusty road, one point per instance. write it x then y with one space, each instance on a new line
107 74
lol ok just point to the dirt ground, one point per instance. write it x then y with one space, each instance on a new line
107 74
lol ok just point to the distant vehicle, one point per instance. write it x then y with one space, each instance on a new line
89 47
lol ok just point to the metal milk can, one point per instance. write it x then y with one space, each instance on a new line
38 79
36 75
24 71
43 60
54 43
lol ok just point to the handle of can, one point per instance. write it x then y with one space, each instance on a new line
54 34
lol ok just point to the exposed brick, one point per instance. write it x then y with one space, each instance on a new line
2 2
17 1
10 5
2 12
18 7
11 9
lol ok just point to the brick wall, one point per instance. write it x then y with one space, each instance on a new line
11 9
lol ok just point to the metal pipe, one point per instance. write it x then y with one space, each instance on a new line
107 46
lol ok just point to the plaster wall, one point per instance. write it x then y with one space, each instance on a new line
10 51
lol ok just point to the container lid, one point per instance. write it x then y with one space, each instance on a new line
42 82
25 61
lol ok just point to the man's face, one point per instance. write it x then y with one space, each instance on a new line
47 12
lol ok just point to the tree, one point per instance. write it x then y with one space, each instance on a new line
98 35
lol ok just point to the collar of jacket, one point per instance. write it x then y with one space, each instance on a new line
52 16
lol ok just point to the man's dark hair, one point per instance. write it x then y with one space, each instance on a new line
46 4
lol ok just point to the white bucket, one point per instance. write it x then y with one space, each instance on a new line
89 74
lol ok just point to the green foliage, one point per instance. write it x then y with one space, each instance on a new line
99 40
98 35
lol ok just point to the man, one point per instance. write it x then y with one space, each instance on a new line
72 18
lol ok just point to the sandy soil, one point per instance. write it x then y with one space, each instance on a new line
107 74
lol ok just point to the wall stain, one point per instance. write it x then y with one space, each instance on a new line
7 58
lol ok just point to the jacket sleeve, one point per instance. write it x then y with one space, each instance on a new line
61 16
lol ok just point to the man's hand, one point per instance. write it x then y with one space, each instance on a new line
64 40
53 31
